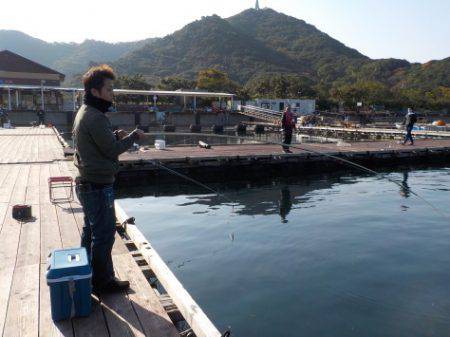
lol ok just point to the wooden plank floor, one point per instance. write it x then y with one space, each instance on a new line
28 157
255 150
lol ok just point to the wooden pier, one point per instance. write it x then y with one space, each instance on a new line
229 162
368 133
28 157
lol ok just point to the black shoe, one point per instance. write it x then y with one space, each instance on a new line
114 286
287 151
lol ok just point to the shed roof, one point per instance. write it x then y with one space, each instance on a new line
12 62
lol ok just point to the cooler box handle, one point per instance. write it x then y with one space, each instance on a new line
73 257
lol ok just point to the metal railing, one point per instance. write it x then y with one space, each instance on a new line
260 113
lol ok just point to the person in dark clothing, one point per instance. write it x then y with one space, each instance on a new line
288 125
2 117
41 117
97 149
410 120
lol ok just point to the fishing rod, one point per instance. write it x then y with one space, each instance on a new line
196 182
343 160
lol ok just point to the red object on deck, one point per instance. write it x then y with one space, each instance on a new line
60 182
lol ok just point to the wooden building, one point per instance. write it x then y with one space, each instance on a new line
16 69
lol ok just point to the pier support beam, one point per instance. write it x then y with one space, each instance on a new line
9 99
42 99
74 100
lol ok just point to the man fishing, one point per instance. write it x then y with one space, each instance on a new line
97 149
410 120
288 125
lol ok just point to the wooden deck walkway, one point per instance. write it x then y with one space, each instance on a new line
193 153
28 157
367 131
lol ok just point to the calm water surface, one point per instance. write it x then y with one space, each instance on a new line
318 256
250 138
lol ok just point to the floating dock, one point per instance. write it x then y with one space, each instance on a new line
231 162
28 157
369 133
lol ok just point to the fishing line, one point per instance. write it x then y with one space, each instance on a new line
343 160
198 183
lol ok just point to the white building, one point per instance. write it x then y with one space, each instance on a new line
299 106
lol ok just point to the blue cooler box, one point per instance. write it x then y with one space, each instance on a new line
69 278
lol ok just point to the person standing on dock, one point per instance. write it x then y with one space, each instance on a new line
41 117
410 120
2 117
288 125
97 149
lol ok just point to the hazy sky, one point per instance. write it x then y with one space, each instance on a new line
417 30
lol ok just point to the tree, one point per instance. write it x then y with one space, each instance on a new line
369 92
274 85
174 83
135 82
215 80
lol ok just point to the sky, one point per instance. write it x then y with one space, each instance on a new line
416 30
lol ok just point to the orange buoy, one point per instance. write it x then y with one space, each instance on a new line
439 123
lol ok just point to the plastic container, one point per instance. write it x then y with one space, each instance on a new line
160 144
69 278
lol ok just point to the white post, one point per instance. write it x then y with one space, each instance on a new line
195 103
74 100
17 99
42 98
9 99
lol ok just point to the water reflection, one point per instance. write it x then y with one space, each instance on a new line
347 255
249 198
404 189
285 203
212 139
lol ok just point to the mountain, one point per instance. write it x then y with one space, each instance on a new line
427 75
262 48
208 43
257 42
298 40
68 58
245 45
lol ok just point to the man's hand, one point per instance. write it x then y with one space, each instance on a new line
140 133
121 134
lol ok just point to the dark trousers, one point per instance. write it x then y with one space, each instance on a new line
408 135
287 138
99 230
